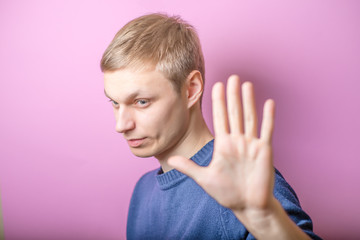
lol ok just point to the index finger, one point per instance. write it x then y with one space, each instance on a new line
219 109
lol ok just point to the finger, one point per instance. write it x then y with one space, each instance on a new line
219 109
186 166
234 105
267 125
250 118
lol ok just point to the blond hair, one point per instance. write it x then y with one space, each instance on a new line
168 44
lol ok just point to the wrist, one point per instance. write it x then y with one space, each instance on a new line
258 217
271 222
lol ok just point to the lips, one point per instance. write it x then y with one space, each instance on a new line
135 142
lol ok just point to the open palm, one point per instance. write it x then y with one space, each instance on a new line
240 175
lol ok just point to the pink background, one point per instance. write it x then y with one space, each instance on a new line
66 174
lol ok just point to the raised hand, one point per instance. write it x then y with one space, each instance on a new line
240 175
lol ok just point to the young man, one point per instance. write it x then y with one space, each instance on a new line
154 77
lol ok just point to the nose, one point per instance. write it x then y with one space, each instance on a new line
124 120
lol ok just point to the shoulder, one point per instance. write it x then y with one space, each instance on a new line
143 188
147 179
144 185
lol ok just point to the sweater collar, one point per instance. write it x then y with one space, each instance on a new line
173 177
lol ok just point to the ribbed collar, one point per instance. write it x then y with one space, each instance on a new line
174 177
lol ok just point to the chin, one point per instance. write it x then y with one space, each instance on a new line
141 153
148 151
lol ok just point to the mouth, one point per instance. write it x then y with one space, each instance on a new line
135 142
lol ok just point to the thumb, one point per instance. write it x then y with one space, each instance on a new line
186 166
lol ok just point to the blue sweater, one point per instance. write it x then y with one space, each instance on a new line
173 206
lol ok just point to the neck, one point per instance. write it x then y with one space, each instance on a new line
195 137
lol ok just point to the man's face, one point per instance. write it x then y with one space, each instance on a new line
150 114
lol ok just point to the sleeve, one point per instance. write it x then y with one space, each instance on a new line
290 202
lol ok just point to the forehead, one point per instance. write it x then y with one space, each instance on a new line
124 82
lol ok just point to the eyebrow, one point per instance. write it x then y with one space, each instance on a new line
107 95
132 95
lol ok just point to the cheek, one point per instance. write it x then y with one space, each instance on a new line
115 114
165 121
174 122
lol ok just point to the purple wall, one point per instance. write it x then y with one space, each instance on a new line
66 174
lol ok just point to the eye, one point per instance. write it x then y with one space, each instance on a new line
142 102
115 104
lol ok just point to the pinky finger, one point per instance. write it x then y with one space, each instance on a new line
267 125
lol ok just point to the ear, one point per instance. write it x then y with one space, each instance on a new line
194 88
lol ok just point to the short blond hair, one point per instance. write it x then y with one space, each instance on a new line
168 44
